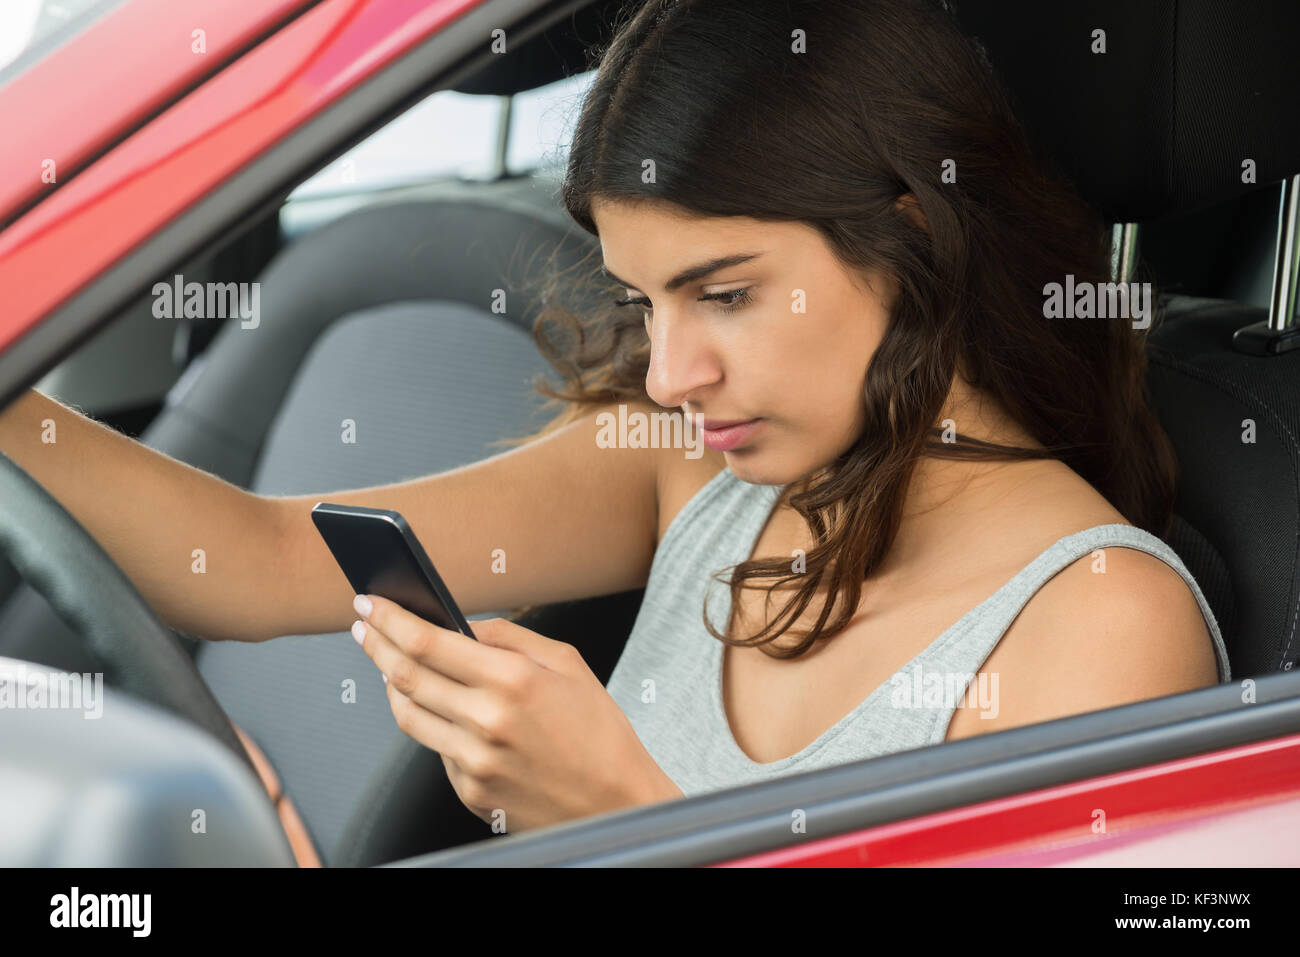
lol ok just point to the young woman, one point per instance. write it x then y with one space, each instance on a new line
827 239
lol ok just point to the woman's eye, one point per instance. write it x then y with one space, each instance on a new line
633 301
732 299
636 301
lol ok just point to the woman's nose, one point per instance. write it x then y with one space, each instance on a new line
680 360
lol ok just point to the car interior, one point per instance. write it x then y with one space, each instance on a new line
375 307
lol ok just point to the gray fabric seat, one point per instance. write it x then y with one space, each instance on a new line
380 317
411 375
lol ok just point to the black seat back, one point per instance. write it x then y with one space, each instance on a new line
1192 104
1234 419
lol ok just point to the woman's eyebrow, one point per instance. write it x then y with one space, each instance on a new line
691 274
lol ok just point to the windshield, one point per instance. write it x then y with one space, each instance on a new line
29 29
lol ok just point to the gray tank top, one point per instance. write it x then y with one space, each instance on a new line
669 679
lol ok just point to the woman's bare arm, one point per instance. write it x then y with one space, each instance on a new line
557 519
200 550
569 519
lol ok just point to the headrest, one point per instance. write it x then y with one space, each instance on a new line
1161 123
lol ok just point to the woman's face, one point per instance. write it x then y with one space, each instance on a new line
782 338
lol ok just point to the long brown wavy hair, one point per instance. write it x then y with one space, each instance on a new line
888 95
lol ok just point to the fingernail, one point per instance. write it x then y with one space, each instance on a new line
362 605
359 631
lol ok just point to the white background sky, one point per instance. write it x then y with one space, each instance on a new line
17 18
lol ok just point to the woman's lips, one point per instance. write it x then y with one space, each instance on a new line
731 436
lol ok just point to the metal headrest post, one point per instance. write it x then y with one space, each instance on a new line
1279 333
1123 252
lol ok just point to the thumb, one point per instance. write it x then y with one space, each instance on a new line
504 633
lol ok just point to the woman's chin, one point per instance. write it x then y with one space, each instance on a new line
749 465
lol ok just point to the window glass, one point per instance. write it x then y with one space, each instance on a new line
541 124
455 135
31 28
449 134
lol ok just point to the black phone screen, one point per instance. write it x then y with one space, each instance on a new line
380 555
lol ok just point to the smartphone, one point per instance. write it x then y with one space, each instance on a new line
380 555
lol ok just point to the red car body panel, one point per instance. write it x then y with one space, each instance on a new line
118 185
1235 807
102 213
57 110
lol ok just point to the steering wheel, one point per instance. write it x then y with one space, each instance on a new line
55 555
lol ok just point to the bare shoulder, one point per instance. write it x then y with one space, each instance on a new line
1113 627
1130 593
1116 626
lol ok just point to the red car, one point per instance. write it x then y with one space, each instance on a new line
373 165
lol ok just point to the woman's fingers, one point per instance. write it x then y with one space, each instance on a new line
438 734
450 653
440 695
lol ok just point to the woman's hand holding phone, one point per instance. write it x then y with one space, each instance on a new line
528 734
